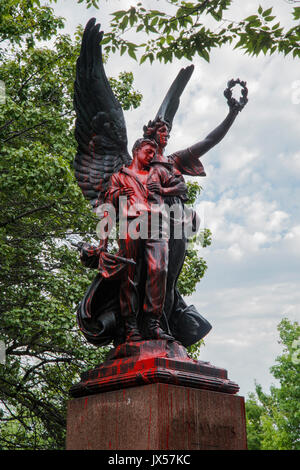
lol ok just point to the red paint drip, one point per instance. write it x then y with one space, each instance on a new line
150 416
168 417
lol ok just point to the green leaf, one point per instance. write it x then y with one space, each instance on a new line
169 39
124 23
105 40
118 14
296 13
131 53
154 21
270 18
251 18
203 53
267 12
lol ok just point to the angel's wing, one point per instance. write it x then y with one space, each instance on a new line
171 101
100 128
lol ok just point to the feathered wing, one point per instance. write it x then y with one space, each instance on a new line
171 101
100 128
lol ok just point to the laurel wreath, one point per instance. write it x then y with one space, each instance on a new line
232 102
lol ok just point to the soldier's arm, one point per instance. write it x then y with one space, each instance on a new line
162 182
117 189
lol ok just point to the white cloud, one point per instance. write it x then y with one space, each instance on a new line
244 338
290 163
235 251
243 225
292 241
238 159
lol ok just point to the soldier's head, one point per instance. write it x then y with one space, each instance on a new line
144 150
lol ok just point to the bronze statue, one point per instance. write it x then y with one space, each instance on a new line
134 295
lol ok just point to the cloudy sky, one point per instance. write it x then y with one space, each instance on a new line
251 195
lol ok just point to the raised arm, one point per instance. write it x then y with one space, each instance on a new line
187 161
214 137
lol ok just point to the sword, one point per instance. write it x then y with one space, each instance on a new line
120 258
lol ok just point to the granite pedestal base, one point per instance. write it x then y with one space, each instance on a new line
149 396
157 417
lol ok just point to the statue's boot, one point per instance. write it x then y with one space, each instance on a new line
132 331
152 330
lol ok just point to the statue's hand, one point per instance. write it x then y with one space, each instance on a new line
233 104
181 188
155 187
126 192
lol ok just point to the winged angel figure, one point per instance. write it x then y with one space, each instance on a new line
134 295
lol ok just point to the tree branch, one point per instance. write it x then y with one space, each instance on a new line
45 361
25 214
6 124
17 134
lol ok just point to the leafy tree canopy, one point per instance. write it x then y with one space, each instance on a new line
179 28
27 21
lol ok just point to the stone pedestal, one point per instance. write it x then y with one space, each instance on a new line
151 396
157 417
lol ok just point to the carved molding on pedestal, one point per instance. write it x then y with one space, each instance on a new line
146 362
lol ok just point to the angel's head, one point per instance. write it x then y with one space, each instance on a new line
158 130
144 150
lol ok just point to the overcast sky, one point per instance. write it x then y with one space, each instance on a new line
251 194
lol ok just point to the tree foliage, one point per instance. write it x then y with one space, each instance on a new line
187 28
28 21
273 421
